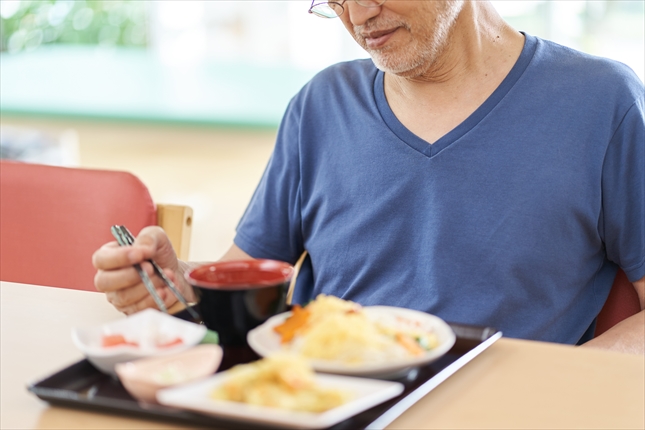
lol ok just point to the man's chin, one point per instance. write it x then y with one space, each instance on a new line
397 68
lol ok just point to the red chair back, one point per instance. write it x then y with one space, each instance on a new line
622 303
52 219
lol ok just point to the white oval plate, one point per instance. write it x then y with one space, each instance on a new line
265 341
136 327
366 394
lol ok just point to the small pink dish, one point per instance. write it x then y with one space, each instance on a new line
144 377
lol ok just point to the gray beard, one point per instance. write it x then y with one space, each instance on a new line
418 58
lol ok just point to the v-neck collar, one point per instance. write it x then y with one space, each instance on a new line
429 150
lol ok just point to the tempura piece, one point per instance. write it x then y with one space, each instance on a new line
282 381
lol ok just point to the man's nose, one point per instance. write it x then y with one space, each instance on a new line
358 14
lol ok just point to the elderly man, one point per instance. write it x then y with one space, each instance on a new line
467 170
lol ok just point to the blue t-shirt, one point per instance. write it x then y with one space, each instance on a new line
516 219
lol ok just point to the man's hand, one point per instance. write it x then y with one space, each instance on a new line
118 279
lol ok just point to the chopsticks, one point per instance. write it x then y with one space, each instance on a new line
125 238
294 277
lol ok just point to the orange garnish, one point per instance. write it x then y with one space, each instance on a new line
287 330
115 340
408 343
174 342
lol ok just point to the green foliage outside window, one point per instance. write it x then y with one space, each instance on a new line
25 25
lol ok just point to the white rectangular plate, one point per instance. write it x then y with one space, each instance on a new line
366 394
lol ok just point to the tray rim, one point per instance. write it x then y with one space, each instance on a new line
415 395
61 397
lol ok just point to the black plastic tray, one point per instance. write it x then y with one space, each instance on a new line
81 385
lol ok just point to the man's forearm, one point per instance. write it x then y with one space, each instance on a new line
626 336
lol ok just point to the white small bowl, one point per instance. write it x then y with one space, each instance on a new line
144 377
142 327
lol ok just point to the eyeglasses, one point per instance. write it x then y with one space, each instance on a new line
334 9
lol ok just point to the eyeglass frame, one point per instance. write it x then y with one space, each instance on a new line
340 4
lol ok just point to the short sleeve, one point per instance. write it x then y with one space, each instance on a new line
623 187
271 225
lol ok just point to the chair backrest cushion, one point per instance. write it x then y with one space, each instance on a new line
52 219
622 303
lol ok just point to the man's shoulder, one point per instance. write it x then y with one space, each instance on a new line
586 70
355 69
355 74
347 83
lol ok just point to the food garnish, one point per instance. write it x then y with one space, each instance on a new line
287 330
113 340
174 342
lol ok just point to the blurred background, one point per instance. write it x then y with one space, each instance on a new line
281 33
188 95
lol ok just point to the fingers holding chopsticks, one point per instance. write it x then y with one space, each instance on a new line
119 277
126 291
115 267
137 298
111 256
147 246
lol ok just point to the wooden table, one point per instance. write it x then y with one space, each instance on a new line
513 384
